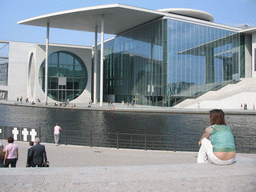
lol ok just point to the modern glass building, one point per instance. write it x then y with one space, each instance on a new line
156 57
166 61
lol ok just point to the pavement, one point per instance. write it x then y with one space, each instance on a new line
82 168
129 108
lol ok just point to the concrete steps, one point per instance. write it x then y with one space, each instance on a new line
228 97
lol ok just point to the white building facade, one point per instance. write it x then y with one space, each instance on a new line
69 76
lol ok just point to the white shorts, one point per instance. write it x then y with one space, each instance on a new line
206 154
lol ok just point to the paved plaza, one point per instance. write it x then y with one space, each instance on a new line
81 168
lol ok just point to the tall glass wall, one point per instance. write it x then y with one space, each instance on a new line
67 76
166 61
3 72
134 65
200 58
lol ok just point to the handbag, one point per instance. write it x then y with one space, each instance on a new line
46 164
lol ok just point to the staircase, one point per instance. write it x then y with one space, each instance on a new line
228 97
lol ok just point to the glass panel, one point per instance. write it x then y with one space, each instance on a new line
53 83
62 58
53 95
53 70
64 64
76 83
53 58
70 71
70 83
78 71
70 95
63 71
70 59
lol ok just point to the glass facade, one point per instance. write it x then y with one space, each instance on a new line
200 59
166 61
67 76
3 73
134 65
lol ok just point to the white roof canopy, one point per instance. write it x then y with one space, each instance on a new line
117 18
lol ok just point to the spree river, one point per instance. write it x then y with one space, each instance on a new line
189 126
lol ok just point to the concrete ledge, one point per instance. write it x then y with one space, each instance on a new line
170 177
102 169
124 108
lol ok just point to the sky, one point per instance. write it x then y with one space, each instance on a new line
229 12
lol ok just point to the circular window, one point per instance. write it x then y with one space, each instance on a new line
67 76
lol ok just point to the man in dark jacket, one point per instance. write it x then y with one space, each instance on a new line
38 154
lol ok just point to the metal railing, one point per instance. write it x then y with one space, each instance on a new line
121 140
173 142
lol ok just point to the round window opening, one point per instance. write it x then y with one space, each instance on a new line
67 76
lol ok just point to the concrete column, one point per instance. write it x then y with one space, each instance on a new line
248 56
46 62
101 61
95 68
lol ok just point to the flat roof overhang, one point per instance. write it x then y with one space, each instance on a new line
249 30
117 18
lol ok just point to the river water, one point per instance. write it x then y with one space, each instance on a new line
188 126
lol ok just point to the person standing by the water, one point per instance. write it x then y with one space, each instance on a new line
57 130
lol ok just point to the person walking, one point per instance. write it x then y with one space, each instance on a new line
11 153
29 160
37 154
57 130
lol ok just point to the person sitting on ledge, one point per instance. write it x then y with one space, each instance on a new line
217 143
